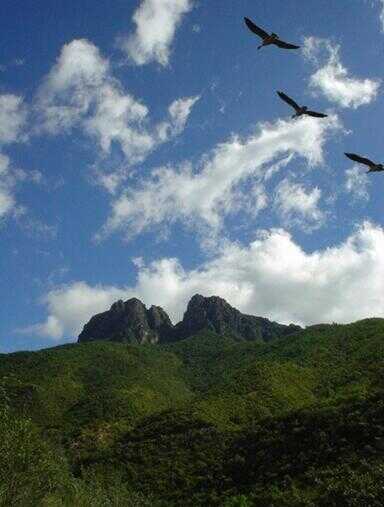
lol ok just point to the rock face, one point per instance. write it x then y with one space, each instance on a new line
131 322
215 314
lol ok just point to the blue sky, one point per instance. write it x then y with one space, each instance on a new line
144 152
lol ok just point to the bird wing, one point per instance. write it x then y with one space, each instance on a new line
288 100
285 45
256 29
361 160
316 115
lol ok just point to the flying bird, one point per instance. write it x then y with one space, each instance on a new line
300 110
361 160
268 39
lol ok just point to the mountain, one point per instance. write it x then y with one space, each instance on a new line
128 322
131 322
215 314
206 420
224 381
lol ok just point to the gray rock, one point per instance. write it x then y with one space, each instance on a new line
215 314
131 322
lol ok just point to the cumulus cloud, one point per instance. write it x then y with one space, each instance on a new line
204 194
156 23
332 79
356 183
71 305
298 206
71 85
272 276
80 91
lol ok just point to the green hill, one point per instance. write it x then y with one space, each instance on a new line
211 420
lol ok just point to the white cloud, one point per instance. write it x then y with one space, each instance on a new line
332 79
205 194
10 178
13 115
271 277
356 183
156 23
71 305
7 200
179 112
72 85
80 91
298 206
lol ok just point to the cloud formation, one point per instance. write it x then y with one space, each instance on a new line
272 277
156 23
80 91
356 183
332 79
13 115
7 200
204 194
70 305
299 206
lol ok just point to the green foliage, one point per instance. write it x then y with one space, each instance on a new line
299 459
107 491
206 421
237 501
344 486
29 468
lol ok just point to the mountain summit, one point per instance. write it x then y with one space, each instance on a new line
131 322
215 314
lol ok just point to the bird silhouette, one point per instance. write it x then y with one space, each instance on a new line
300 110
373 167
268 39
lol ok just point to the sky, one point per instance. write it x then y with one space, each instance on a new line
145 153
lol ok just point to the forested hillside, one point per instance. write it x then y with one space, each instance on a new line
208 420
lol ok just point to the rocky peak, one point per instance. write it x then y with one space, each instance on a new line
128 321
118 306
157 317
215 314
206 313
131 322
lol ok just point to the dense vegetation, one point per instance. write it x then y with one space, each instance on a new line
205 421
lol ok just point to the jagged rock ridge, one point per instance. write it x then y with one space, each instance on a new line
131 322
216 314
